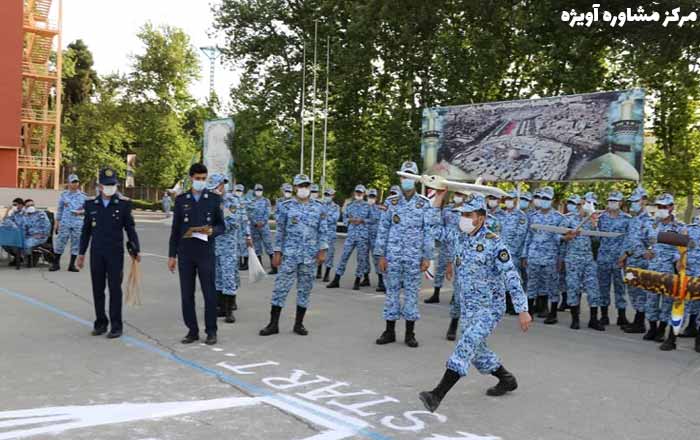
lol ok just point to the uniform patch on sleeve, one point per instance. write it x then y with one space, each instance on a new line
504 256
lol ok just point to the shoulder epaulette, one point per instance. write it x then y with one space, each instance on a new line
123 197
491 236
424 197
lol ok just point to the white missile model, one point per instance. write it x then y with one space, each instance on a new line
440 183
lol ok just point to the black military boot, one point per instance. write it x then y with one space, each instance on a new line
410 338
389 334
552 317
691 330
234 304
318 271
604 317
622 318
356 284
531 307
661 332
56 263
670 342
697 343
240 263
435 298
228 308
431 399
452 329
542 311
245 263
220 304
637 326
71 266
509 305
380 284
575 312
593 321
326 275
299 322
650 335
506 382
365 281
563 305
273 327
335 283
272 271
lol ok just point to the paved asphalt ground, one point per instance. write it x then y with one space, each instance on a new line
57 381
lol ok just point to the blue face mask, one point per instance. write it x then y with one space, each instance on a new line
199 185
408 184
524 204
545 204
571 207
635 206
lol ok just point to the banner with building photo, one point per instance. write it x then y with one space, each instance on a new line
130 170
592 136
217 155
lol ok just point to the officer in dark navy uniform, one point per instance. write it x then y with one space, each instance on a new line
197 220
106 219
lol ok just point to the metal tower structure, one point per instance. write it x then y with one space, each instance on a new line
212 53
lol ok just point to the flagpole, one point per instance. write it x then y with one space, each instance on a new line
303 100
325 113
313 103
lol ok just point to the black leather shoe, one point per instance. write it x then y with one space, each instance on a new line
434 298
190 339
99 331
387 337
211 339
365 281
452 329
430 400
113 334
335 283
506 382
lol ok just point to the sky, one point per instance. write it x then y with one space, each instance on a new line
109 28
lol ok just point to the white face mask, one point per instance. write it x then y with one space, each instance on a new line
458 199
588 208
314 195
303 193
109 190
492 203
328 199
614 206
239 193
258 193
537 203
371 201
466 225
30 210
287 194
357 197
662 214
510 204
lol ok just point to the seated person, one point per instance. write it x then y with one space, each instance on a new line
12 227
37 226
14 212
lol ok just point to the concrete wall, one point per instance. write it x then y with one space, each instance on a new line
11 37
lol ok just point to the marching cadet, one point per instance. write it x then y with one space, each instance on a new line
69 223
356 217
449 219
405 244
375 211
37 228
300 244
259 215
395 190
612 220
314 191
662 258
514 226
197 221
637 240
485 271
526 202
542 258
494 207
332 216
226 247
581 269
106 219
239 192
286 190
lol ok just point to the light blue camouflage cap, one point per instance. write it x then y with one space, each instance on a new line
634 197
590 197
360 188
547 192
615 196
329 192
526 196
300 179
287 187
511 195
258 187
372 192
472 202
641 191
73 178
409 167
314 188
574 198
664 199
537 193
239 187
394 189
215 180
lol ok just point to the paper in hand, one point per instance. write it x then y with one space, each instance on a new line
200 236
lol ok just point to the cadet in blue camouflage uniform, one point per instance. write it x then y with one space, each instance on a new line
300 244
542 258
612 220
332 217
662 258
449 219
514 227
405 243
239 192
485 271
36 226
259 216
356 217
692 308
637 240
287 192
581 269
227 247
375 210
493 204
69 223
315 190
